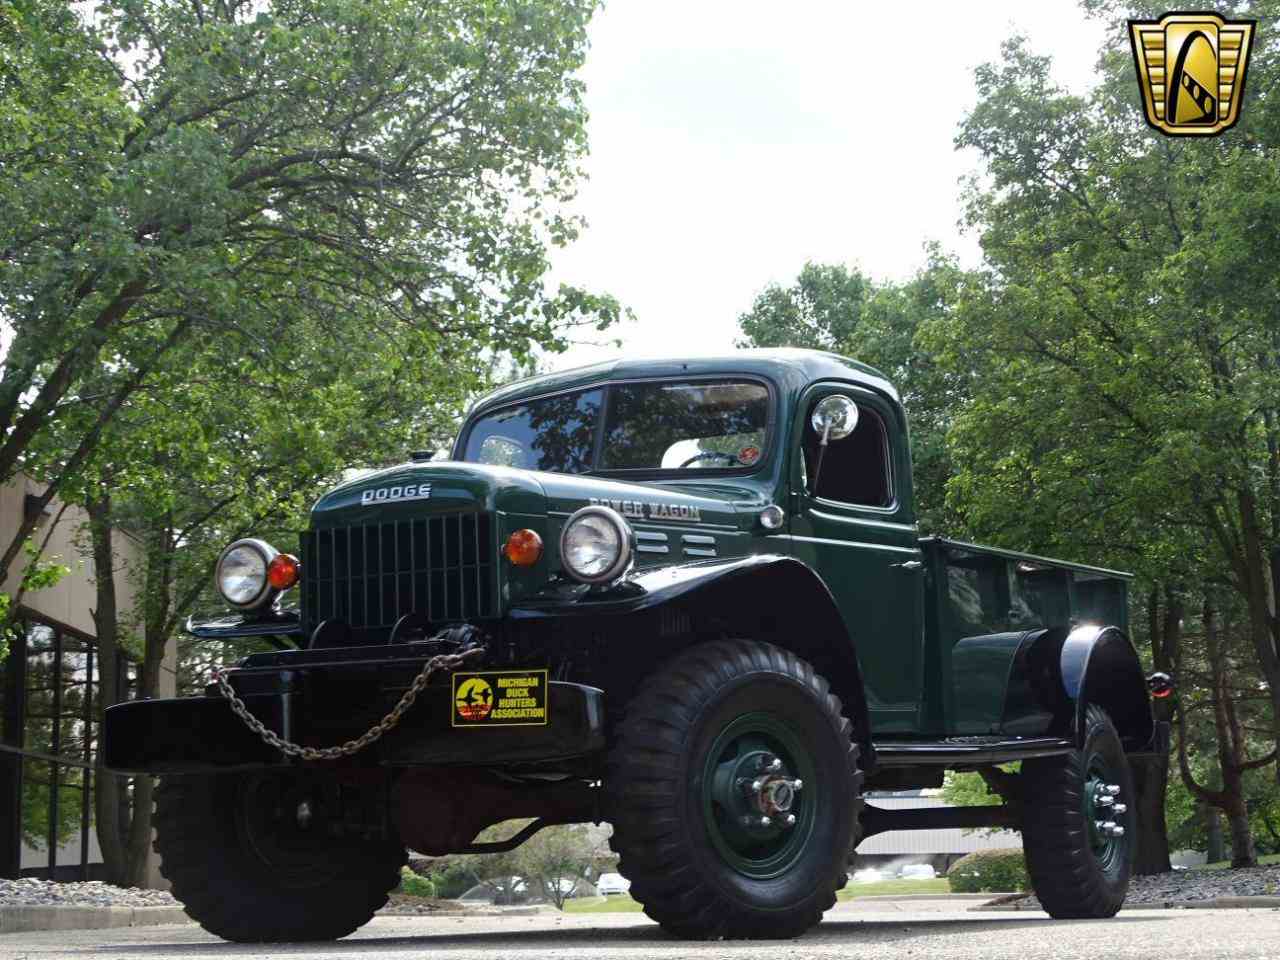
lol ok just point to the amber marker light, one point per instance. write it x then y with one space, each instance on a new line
283 571
523 548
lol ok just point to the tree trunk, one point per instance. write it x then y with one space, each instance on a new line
123 828
109 799
1243 853
1215 851
1151 778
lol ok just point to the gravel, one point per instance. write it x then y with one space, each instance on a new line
1184 886
94 893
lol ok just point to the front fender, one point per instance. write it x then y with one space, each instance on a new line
1100 666
766 596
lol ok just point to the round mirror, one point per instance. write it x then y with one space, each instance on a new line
835 417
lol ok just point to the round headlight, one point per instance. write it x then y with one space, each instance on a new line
596 545
241 575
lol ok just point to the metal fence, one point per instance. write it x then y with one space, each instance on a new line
50 687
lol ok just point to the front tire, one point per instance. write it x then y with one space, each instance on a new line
250 859
1079 866
734 792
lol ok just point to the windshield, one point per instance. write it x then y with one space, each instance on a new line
718 425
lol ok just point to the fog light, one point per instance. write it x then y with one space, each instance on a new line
523 548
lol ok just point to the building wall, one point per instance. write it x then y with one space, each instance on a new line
70 602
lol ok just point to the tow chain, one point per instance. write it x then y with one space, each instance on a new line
444 661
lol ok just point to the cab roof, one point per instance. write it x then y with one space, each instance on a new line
791 368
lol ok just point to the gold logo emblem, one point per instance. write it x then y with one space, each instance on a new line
1191 69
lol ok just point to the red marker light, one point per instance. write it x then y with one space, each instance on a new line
283 572
523 548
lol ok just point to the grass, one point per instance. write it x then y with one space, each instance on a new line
618 903
622 903
893 888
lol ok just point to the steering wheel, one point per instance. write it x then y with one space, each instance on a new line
707 455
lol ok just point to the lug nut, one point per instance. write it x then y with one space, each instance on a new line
303 815
1112 789
766 822
757 786
1117 831
775 764
1119 808
791 820
797 784
1105 800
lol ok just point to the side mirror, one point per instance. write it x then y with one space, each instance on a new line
834 417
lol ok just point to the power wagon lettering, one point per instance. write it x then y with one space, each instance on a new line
641 510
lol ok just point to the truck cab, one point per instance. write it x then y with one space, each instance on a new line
688 597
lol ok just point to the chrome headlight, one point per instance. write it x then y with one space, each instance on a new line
241 575
596 545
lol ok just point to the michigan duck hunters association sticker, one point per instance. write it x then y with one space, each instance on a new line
500 698
1191 71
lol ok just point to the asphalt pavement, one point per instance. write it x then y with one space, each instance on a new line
850 932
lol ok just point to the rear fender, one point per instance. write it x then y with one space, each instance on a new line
769 597
1099 666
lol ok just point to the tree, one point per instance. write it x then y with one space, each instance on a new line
1123 324
557 859
830 307
237 176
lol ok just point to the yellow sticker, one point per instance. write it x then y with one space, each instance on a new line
501 698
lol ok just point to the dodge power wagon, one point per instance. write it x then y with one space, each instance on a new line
688 598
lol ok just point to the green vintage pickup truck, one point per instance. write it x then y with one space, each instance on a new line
686 597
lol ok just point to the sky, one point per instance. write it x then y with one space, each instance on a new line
734 140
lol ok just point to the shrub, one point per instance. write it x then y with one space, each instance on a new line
415 886
453 881
995 871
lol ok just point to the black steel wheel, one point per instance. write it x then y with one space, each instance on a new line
734 791
253 858
1079 826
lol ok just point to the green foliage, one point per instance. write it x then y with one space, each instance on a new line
453 880
968 790
183 232
994 871
830 307
548 864
413 885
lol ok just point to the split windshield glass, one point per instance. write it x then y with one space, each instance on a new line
664 425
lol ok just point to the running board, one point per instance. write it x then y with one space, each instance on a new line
968 751
880 820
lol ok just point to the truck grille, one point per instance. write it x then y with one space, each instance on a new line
370 575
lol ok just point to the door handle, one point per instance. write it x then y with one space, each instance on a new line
908 566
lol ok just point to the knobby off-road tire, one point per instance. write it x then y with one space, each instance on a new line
1077 870
246 869
686 754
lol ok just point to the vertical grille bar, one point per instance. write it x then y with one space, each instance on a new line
369 575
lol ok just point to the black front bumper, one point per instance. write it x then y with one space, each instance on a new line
322 704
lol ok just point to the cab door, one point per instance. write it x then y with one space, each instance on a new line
853 522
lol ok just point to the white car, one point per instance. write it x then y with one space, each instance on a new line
612 883
869 875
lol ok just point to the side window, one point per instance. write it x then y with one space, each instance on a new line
855 470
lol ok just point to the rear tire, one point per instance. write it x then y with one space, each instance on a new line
249 865
1078 869
709 854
